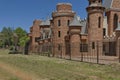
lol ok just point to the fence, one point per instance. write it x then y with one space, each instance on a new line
94 52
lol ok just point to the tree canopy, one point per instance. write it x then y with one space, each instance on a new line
10 37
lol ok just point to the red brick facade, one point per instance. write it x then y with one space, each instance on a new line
62 34
60 27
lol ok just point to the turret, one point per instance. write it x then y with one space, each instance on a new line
95 24
61 20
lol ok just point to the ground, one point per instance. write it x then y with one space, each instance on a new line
35 67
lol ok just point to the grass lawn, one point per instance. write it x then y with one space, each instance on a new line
45 68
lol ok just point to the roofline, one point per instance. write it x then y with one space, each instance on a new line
64 4
112 9
111 4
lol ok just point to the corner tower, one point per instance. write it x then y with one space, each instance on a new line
95 23
60 26
113 15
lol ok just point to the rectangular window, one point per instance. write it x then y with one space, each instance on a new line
104 31
83 47
88 21
59 34
59 23
99 22
93 45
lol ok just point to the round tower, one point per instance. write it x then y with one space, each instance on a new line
95 24
61 20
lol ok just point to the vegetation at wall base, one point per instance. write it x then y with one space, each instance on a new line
48 68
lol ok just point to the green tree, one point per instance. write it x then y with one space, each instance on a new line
7 36
1 39
22 36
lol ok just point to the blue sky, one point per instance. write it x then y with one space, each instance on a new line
21 13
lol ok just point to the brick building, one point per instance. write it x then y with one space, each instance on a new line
66 34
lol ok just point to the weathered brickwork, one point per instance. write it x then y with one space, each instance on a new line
61 16
110 19
116 4
34 32
66 34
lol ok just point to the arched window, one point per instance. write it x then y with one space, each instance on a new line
115 25
99 22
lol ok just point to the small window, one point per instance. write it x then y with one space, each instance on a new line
59 23
93 45
115 21
68 22
83 47
99 1
94 1
59 34
104 31
88 21
67 32
99 22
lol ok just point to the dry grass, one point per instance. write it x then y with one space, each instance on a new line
58 69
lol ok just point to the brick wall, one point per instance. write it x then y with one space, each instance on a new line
64 13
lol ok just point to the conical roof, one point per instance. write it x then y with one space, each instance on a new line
75 22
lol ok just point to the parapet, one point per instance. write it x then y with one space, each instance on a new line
64 7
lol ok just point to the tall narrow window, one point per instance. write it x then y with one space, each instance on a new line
68 22
115 21
93 45
59 23
88 21
59 34
94 1
99 22
104 31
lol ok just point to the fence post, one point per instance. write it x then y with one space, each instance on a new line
61 46
81 52
97 53
119 50
69 46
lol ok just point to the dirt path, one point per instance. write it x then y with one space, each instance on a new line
18 73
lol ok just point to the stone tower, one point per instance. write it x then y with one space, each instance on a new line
95 25
75 28
60 26
113 15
